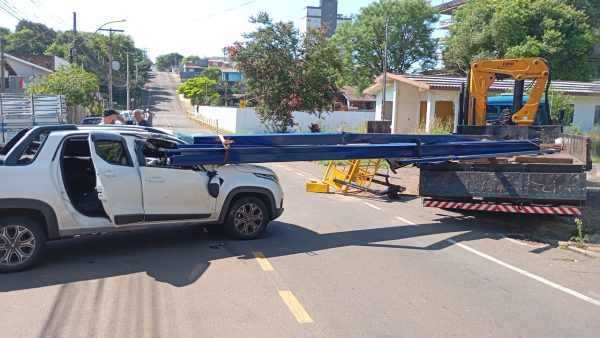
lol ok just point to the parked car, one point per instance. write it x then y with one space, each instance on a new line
63 181
91 120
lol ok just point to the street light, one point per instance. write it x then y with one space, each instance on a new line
74 51
110 60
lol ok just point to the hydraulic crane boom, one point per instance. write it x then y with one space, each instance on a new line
485 72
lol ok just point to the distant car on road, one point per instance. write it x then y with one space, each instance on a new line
91 120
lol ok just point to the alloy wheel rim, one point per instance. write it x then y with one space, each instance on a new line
248 219
17 245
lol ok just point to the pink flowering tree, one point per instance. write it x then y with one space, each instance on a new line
285 71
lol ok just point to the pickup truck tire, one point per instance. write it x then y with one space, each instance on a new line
22 241
247 218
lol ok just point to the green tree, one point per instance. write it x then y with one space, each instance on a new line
213 73
286 72
559 101
166 61
30 38
591 8
190 59
200 91
4 31
410 45
551 29
72 81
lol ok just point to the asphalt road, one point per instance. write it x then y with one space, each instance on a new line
333 266
169 110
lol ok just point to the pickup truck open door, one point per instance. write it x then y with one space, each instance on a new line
117 179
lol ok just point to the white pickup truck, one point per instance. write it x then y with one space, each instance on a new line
62 181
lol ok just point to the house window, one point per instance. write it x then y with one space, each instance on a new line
597 116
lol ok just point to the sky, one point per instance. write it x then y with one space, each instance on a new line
188 27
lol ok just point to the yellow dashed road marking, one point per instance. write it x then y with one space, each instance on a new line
295 307
262 261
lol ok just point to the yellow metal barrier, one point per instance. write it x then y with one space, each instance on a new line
358 173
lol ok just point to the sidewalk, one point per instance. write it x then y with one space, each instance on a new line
190 110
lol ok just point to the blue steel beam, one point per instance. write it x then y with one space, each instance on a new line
203 154
330 139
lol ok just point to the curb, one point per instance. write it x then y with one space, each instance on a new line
590 250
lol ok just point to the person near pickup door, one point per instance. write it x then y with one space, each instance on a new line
138 114
111 116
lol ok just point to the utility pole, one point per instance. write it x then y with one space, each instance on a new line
2 84
127 74
74 48
385 42
110 61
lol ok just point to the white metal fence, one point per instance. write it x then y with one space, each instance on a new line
18 111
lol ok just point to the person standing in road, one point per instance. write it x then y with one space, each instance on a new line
139 118
111 116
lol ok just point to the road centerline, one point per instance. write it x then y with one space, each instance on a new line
263 261
295 307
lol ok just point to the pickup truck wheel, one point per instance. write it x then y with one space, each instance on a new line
247 218
22 241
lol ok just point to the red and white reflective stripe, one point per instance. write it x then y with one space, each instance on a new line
520 209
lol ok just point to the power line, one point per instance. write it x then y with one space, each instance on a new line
6 7
14 9
49 12
227 10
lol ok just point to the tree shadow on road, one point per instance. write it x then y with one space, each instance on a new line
180 256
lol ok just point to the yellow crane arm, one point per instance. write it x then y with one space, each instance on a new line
485 72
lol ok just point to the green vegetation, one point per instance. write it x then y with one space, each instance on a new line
580 238
90 52
552 29
166 61
438 126
190 59
286 72
200 91
410 44
74 82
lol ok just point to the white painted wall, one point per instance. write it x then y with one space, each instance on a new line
406 109
237 120
389 96
585 108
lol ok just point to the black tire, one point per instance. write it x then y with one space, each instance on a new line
22 242
247 218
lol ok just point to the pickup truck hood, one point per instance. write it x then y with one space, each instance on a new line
253 168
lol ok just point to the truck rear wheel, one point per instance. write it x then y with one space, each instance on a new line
22 241
247 218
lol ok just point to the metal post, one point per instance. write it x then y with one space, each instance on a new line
384 70
518 95
127 80
110 61
2 84
74 49
110 76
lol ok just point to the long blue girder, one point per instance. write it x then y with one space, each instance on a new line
236 149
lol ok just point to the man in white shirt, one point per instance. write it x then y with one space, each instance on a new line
111 116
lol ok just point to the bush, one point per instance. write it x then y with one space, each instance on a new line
572 129
314 128
437 127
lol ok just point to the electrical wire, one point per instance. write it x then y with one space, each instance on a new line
227 10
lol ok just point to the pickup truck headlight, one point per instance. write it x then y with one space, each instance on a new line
273 178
